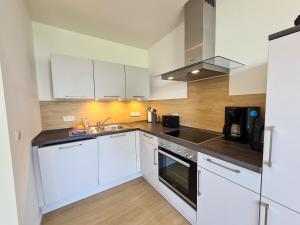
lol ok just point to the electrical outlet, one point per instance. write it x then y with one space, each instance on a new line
69 118
135 114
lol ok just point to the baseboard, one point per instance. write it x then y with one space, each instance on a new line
90 193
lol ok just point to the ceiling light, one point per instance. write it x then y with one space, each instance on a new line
195 71
170 78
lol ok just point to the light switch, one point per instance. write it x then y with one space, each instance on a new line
135 114
69 118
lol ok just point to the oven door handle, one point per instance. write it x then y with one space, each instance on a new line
175 159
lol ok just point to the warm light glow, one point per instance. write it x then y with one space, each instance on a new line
195 71
139 99
170 78
96 99
120 99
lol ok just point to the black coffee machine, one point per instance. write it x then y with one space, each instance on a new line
239 123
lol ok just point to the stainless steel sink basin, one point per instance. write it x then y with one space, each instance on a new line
106 128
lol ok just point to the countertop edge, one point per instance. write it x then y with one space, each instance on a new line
201 149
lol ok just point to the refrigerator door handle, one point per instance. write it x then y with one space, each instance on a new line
271 130
266 206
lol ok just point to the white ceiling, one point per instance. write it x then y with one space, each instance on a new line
138 23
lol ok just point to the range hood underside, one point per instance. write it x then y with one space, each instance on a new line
214 67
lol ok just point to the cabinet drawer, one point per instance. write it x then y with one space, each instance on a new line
234 173
149 138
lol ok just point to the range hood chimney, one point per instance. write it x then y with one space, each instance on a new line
200 35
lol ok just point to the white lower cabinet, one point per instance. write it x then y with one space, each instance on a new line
149 160
117 157
272 213
68 169
221 201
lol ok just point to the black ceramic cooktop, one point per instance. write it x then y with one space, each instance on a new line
192 135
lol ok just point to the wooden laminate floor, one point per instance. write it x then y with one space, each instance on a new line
133 203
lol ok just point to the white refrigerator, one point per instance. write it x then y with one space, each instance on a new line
280 202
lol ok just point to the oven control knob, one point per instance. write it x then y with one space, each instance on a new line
186 154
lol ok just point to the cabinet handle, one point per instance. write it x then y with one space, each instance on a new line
138 96
198 176
154 156
147 136
69 96
271 130
116 136
266 206
225 167
70 146
111 96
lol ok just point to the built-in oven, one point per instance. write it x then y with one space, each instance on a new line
178 170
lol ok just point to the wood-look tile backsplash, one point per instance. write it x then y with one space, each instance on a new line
52 112
204 107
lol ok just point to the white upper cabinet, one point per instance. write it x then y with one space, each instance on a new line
72 77
137 82
109 80
281 168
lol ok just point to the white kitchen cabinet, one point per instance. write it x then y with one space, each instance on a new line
244 177
117 157
149 160
68 169
272 213
281 167
72 77
137 82
109 80
221 201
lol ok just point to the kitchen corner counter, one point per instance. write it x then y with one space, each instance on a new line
232 152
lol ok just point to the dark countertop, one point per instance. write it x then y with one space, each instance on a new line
232 152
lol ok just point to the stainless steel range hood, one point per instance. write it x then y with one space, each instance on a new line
200 60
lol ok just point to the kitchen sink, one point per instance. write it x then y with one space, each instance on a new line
106 128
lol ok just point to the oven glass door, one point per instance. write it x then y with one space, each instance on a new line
179 174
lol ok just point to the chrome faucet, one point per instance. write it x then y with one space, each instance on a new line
99 124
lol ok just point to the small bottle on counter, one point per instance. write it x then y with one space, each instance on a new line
149 115
154 116
86 123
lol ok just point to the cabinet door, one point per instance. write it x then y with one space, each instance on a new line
272 213
224 202
117 157
72 78
281 155
149 162
68 169
137 82
109 80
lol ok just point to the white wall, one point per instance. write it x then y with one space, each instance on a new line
242 30
22 106
242 34
8 204
49 39
166 55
